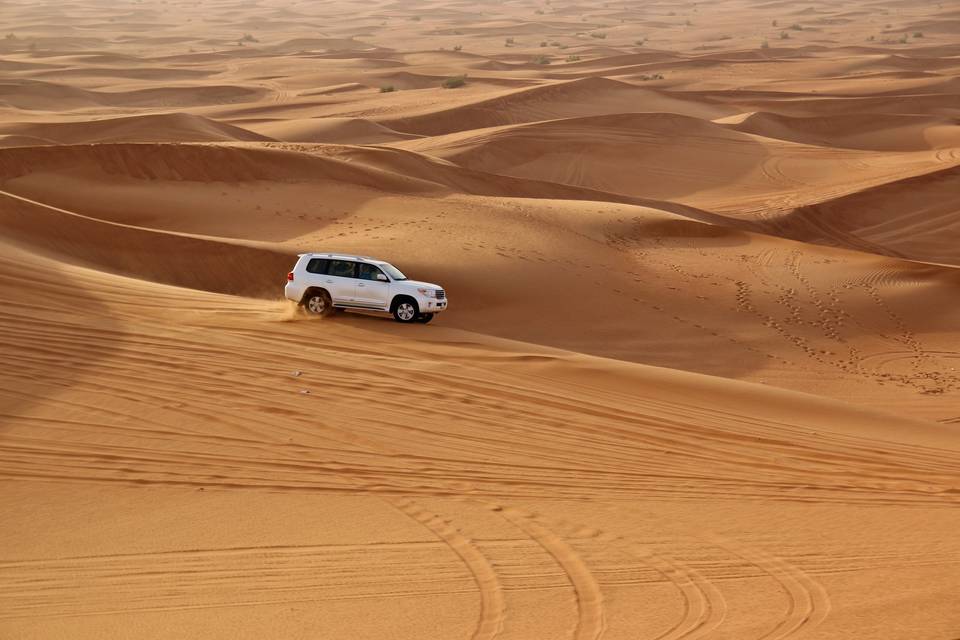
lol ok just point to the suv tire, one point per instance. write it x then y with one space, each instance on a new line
318 303
424 318
405 309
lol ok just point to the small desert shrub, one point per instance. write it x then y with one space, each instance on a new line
458 47
11 36
640 42
387 88
539 12
573 58
918 34
599 35
725 37
784 35
454 82
904 39
541 60
797 27
248 38
415 18
656 76
765 45
871 38
775 23
509 41
543 44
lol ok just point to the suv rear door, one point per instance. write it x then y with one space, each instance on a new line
340 281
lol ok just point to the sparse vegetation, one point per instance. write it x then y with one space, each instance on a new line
458 47
387 88
543 44
248 38
11 36
454 82
541 60
797 26
918 34
640 42
573 58
600 35
775 23
655 76
509 42
784 35
764 45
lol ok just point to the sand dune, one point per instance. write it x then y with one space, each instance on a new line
913 218
576 98
168 127
856 131
699 375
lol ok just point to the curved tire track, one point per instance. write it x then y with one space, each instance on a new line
591 620
492 605
809 603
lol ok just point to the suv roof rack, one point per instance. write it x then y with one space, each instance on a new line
338 255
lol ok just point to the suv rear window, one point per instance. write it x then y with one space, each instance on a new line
342 269
317 265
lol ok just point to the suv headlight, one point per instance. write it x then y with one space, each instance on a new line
430 293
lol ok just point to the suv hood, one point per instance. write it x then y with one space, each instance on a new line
418 283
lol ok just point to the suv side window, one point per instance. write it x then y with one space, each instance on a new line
368 271
317 265
342 269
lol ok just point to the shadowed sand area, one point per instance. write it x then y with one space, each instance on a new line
698 379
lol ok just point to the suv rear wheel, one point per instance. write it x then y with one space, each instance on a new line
405 310
318 303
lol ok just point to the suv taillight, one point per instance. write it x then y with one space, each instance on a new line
290 276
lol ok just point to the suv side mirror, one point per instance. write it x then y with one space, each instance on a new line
382 278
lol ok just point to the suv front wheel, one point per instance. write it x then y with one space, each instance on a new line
405 310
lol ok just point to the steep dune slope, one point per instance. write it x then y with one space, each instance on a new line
490 517
809 318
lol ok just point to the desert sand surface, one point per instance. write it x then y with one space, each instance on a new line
698 380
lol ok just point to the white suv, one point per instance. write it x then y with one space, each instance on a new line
324 282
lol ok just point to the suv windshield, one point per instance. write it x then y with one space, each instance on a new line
393 272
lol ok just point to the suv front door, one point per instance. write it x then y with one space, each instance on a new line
371 292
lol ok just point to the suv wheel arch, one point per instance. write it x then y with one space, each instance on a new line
404 314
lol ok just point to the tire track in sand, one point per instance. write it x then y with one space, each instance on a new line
704 607
492 605
808 602
591 621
